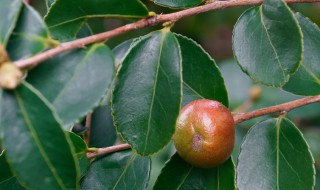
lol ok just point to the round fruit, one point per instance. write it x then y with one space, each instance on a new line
205 133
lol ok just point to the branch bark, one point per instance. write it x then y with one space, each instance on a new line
147 22
281 108
238 118
107 150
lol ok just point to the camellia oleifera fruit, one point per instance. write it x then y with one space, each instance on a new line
205 133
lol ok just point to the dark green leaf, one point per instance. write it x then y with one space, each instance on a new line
178 3
85 31
267 43
119 55
11 184
275 155
201 77
317 186
121 170
121 50
30 35
5 169
76 81
65 17
36 147
9 13
178 174
151 77
306 81
80 149
102 131
7 180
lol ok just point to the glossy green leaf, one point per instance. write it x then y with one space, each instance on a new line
30 35
151 76
178 174
121 50
267 43
80 150
178 3
9 13
36 147
275 155
201 77
306 81
75 82
65 17
102 131
119 171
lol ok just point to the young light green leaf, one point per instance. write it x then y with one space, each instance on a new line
275 155
151 76
201 76
30 35
36 147
80 150
178 174
119 171
267 43
102 131
9 13
178 3
64 19
306 81
76 81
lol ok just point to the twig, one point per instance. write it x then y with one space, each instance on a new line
88 128
238 118
281 108
147 22
107 150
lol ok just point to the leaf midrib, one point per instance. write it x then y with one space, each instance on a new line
37 141
76 72
124 171
185 178
270 42
154 91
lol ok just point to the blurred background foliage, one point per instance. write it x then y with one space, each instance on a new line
213 30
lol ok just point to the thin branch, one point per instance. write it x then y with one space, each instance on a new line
281 108
238 118
147 22
107 150
88 127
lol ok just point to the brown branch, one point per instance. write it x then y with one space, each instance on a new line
147 22
88 128
238 118
107 150
281 108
